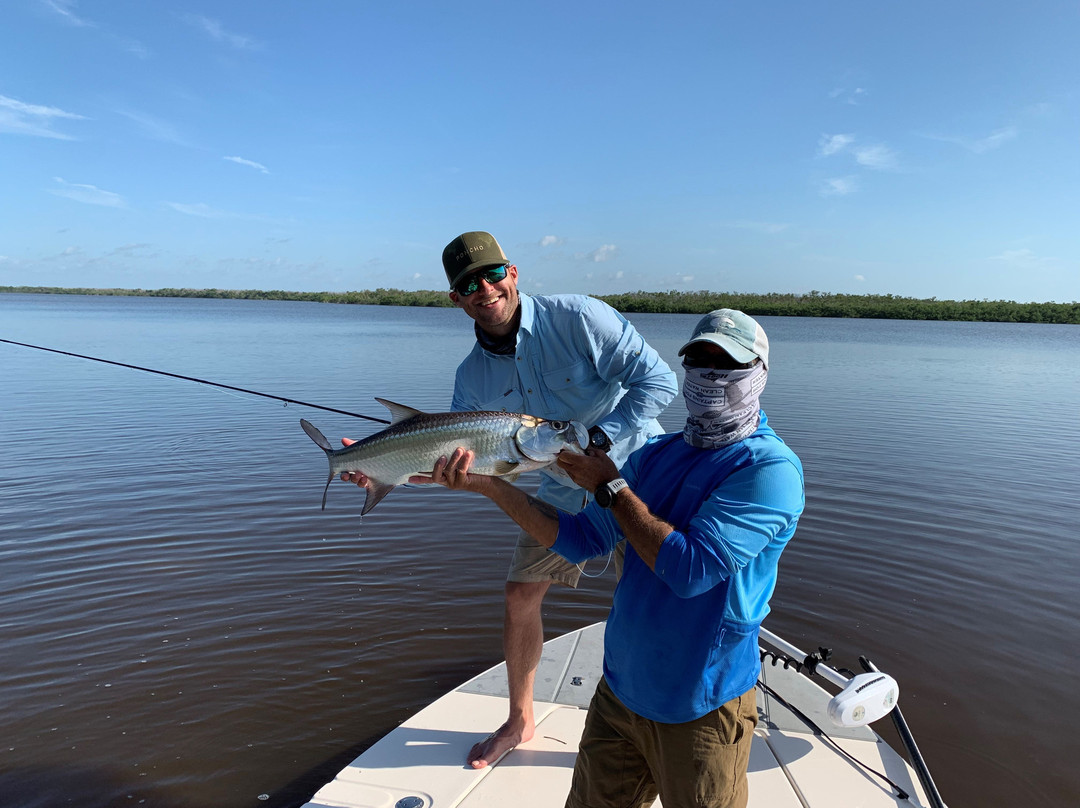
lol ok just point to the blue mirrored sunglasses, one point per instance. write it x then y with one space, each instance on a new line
467 286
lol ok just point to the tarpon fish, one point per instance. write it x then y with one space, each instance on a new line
506 444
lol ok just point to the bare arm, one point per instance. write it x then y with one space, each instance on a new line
645 531
537 518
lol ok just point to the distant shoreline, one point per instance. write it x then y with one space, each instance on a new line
811 304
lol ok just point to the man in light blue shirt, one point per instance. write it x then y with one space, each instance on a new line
561 357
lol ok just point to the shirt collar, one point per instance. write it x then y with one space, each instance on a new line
528 311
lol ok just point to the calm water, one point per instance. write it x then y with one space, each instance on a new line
182 627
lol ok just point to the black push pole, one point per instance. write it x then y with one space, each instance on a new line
917 760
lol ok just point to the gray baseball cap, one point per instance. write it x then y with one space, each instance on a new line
470 252
737 333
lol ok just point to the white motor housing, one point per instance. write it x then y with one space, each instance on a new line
864 699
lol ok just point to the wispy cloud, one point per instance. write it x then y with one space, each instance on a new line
65 254
65 9
834 144
202 210
249 163
880 158
216 31
155 128
848 96
996 139
551 241
135 47
19 118
605 252
1024 259
87 194
768 228
876 156
125 250
839 186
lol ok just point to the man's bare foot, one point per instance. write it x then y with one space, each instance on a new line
497 744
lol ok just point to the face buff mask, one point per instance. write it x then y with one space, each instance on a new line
723 404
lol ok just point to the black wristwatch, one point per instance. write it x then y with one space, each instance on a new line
598 439
605 494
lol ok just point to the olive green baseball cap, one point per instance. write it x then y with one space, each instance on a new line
470 252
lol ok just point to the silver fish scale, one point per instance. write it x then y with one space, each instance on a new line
412 446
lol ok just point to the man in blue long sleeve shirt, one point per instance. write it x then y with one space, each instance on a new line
706 514
561 357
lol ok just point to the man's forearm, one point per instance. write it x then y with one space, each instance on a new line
644 530
539 519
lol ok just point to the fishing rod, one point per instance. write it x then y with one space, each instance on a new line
200 381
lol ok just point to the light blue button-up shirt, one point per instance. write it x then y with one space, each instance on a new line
576 359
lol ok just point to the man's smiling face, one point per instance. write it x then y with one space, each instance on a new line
492 305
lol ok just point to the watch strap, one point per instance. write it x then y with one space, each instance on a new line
605 494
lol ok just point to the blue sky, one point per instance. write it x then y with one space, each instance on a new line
918 149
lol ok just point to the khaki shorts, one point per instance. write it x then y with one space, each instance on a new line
534 563
625 760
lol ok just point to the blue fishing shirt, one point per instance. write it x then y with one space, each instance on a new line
682 640
576 359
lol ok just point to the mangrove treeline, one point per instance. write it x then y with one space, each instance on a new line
812 304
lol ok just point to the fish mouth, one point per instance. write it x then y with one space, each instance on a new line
582 435
541 439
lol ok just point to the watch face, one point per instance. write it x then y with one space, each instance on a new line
599 438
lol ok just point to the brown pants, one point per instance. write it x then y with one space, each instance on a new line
625 761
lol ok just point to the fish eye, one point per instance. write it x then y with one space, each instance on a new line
558 424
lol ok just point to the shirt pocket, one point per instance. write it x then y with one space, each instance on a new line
510 401
576 387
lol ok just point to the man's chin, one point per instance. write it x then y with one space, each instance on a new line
496 311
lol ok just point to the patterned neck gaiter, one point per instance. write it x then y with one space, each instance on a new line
723 404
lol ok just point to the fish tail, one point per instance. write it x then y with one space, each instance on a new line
320 440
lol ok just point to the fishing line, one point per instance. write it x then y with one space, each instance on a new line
199 381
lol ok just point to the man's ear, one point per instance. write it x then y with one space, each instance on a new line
454 298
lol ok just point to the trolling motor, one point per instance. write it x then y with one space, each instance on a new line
864 699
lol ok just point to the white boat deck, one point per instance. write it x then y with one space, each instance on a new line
421 764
